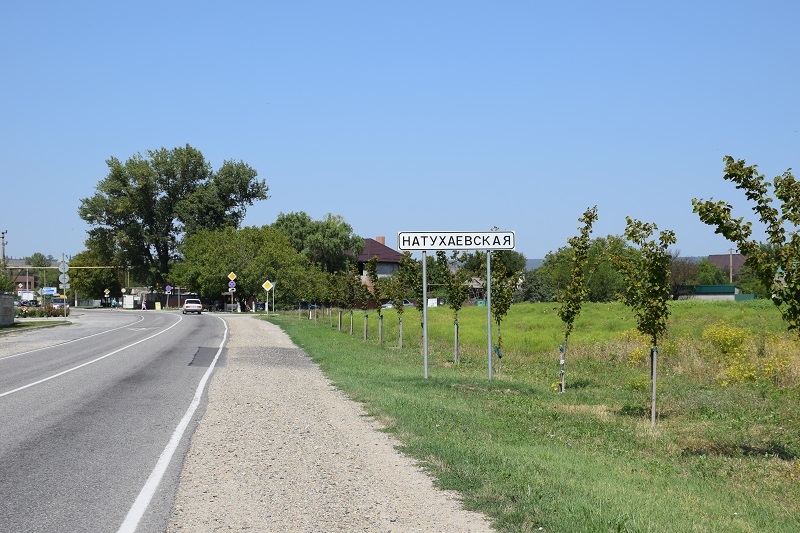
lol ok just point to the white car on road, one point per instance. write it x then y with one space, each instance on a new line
192 305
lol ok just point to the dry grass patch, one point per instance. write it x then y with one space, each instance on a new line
601 412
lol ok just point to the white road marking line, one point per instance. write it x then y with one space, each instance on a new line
139 506
88 362
73 340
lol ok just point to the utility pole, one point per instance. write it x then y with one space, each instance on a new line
3 246
730 264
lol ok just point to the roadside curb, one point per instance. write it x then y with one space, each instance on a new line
7 330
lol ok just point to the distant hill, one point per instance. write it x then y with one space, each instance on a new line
533 264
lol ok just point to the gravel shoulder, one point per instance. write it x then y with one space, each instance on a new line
280 449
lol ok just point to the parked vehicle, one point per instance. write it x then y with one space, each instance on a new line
390 304
192 305
59 303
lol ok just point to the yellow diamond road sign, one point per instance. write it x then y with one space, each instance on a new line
231 276
267 285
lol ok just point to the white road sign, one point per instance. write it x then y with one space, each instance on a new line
455 240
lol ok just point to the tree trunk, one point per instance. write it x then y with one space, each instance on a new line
456 353
562 384
653 360
499 346
366 319
400 339
380 329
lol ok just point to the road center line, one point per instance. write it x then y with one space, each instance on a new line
90 362
139 506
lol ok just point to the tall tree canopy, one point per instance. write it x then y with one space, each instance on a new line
709 274
146 205
38 259
602 278
475 263
327 242
92 282
254 254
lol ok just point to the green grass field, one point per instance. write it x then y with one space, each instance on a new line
723 456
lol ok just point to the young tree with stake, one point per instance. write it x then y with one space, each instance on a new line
576 291
648 287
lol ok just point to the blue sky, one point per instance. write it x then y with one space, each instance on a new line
404 116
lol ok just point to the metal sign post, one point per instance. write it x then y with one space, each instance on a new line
63 267
267 285
422 241
489 311
425 311
232 285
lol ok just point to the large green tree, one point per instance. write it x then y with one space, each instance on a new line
38 259
329 242
475 263
148 204
254 254
535 287
682 275
46 277
97 273
749 282
776 263
709 274
603 280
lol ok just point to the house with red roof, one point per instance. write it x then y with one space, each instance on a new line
388 259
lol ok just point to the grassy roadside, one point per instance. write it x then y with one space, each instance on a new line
722 458
32 324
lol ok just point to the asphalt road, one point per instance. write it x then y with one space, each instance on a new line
96 416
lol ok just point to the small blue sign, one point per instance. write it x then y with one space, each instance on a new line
231 284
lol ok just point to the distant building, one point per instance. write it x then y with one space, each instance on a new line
716 293
388 259
729 263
